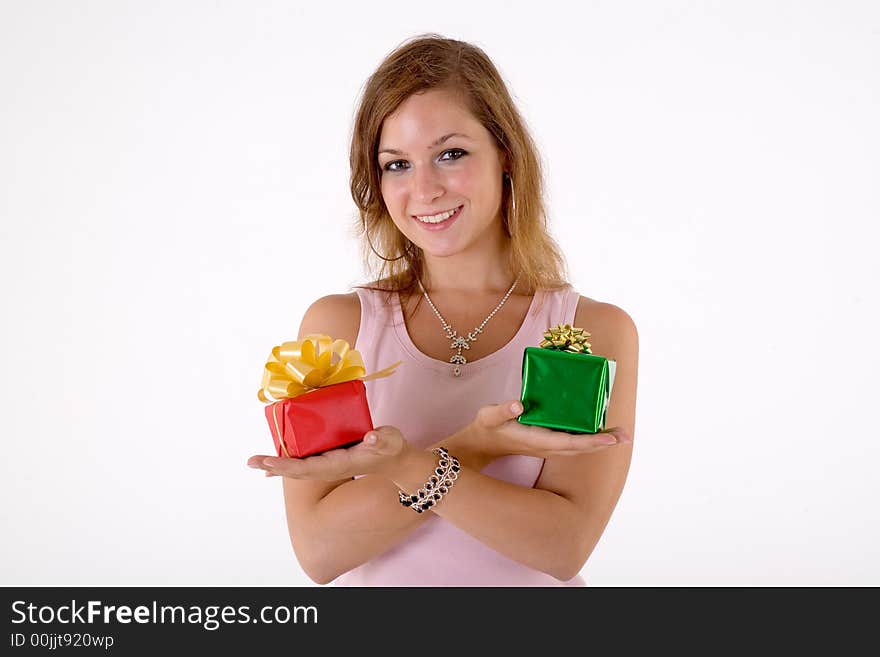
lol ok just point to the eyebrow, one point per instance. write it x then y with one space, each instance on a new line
436 143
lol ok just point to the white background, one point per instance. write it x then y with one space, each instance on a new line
175 194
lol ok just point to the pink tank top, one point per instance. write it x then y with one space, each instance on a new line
427 403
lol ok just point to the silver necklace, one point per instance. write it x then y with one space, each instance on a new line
460 342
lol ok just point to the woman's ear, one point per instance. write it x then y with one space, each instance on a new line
504 161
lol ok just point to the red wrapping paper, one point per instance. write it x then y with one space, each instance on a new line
325 418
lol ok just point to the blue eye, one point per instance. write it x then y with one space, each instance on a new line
394 169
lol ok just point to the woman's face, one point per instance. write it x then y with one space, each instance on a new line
426 176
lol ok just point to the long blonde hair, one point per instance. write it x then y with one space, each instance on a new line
430 61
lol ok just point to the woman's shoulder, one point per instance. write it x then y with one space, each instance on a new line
336 315
339 315
606 322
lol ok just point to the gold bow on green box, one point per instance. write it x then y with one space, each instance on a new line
566 337
564 385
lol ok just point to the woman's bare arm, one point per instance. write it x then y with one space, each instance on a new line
336 526
554 526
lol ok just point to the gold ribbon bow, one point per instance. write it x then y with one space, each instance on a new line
295 368
565 337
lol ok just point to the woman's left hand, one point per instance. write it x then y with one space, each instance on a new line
379 452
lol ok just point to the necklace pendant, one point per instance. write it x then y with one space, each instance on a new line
457 360
460 342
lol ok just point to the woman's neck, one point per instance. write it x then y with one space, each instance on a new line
477 271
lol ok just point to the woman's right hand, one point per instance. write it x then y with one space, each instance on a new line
496 432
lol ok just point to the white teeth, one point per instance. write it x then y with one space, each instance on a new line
437 218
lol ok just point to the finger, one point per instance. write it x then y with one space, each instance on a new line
370 444
585 447
621 434
381 441
329 464
324 465
495 415
285 467
580 443
376 438
566 443
611 437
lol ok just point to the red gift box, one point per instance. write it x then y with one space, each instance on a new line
320 420
320 401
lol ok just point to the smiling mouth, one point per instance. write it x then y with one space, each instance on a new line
440 217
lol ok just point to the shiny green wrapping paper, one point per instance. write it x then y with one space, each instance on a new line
565 391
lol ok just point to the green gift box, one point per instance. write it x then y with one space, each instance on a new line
564 386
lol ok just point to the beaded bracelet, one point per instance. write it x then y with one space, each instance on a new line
437 486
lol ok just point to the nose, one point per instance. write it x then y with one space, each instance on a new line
426 185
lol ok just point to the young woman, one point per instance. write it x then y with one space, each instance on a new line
448 184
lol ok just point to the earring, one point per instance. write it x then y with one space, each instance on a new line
367 234
512 201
